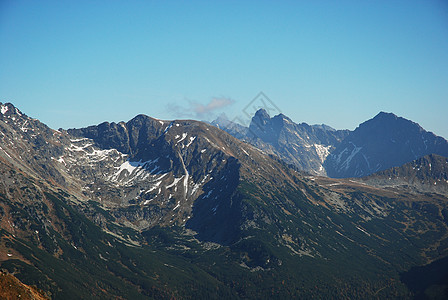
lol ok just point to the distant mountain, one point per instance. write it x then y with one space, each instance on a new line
234 129
425 174
149 209
302 145
380 143
323 127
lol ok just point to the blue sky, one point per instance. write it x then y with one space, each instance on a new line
78 63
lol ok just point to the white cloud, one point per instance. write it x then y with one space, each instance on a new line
198 110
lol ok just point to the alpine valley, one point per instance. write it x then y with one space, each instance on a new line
155 209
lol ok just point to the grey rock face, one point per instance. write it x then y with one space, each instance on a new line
304 146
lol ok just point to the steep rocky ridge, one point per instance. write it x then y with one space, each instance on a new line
302 145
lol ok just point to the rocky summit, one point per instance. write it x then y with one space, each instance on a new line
302 145
181 209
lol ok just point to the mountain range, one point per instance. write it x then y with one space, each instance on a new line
381 143
378 144
182 209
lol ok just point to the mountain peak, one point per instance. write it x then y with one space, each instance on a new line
221 121
283 118
380 143
222 117
262 114
259 120
323 127
140 117
391 123
385 115
234 129
9 109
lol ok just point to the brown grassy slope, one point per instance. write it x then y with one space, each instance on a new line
12 288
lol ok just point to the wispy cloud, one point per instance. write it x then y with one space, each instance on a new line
198 110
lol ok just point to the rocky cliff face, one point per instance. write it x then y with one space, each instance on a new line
29 144
304 146
168 166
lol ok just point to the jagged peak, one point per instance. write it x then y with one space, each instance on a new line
262 113
283 118
7 104
260 119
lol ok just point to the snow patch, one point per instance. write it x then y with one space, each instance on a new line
23 128
322 151
4 109
154 187
195 188
192 138
359 228
168 127
184 135
78 140
79 148
61 160
101 153
175 181
133 167
346 163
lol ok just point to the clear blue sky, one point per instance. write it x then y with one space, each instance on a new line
78 63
